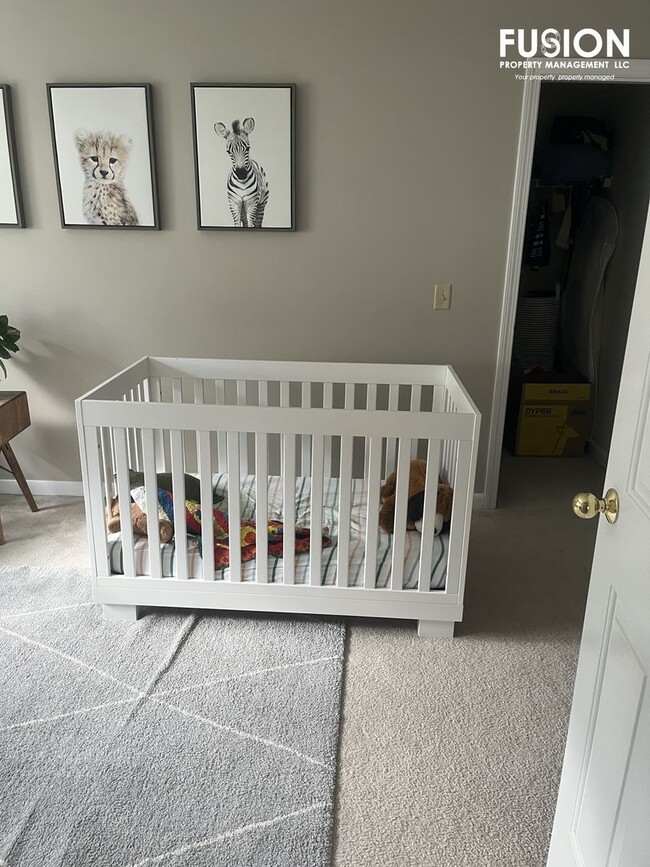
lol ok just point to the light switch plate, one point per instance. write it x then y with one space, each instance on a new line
442 296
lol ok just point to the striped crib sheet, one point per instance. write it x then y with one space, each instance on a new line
302 513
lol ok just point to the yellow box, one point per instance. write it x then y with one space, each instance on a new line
558 392
553 419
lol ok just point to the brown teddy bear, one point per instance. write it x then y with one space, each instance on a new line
138 522
415 509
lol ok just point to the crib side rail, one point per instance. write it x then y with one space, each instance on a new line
278 420
121 383
291 371
350 573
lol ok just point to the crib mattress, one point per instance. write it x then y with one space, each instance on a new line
303 516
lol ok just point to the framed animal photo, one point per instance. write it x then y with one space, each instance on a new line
244 156
104 156
11 208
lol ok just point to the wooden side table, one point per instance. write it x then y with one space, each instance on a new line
14 418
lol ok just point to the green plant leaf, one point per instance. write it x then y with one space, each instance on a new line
9 337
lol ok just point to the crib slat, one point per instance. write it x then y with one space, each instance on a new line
391 442
416 403
445 463
234 509
107 464
429 515
328 403
220 399
263 392
306 441
345 494
401 502
151 496
371 404
285 401
138 394
262 507
289 506
372 512
177 397
133 457
316 512
155 395
241 392
243 437
460 516
124 494
207 524
178 492
92 448
198 395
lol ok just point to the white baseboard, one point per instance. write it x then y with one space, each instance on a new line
44 488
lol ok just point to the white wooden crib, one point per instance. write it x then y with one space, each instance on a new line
282 422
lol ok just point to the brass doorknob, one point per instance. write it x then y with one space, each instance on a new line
588 505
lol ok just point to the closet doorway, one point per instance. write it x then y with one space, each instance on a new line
580 202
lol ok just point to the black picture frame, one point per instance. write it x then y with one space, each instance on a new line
7 118
123 207
288 196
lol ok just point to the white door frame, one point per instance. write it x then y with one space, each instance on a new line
638 71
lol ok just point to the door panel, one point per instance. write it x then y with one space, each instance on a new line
602 817
610 741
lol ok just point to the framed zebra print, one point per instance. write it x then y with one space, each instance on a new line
11 207
244 156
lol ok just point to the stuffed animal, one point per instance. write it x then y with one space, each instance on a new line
138 517
138 522
415 507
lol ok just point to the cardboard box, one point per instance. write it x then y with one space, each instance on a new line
550 417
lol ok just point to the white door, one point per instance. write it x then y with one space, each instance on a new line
603 809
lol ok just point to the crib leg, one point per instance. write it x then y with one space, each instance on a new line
127 613
436 628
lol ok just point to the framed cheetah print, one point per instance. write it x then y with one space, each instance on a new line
104 155
11 207
244 156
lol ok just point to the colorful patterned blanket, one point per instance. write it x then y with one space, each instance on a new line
247 531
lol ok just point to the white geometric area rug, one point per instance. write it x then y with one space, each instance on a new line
186 739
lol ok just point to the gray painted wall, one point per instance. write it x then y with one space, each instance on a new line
407 134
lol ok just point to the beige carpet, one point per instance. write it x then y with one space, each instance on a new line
450 751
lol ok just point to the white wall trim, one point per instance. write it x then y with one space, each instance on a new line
479 502
43 488
523 166
639 71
